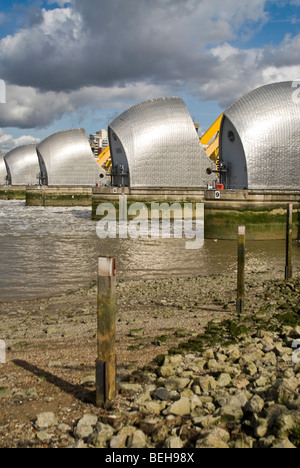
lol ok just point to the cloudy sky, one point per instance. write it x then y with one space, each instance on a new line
81 63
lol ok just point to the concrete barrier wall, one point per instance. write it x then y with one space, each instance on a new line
12 192
58 196
263 213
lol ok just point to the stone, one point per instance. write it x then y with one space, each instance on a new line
167 370
285 424
160 394
137 332
207 383
233 353
214 366
153 407
231 413
137 440
150 424
255 405
195 402
89 380
240 399
85 426
119 441
177 383
251 369
64 428
104 433
262 381
266 442
245 442
173 443
181 407
206 421
209 354
224 380
43 436
250 356
175 360
215 438
130 387
283 444
45 420
160 434
240 383
269 359
260 427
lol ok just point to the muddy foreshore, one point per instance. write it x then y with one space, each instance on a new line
51 352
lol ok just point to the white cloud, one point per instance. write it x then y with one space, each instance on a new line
8 142
28 108
84 54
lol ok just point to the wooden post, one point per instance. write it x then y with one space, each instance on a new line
106 361
241 269
289 242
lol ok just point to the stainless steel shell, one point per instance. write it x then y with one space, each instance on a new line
3 172
66 159
260 139
22 165
155 144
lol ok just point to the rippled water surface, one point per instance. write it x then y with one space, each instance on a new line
44 251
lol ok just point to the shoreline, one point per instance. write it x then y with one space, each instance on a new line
52 346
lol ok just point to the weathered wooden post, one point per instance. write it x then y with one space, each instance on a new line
106 361
241 269
289 243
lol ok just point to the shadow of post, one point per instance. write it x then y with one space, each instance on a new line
78 391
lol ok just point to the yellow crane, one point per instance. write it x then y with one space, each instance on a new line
210 140
104 159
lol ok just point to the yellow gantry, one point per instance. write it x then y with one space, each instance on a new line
210 139
104 159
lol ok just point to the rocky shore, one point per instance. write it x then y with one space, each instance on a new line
191 373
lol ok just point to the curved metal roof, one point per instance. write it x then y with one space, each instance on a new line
66 159
22 165
267 121
3 171
158 146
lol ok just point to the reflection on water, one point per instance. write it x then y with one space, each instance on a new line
51 250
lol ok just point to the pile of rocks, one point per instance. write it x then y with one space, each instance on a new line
243 395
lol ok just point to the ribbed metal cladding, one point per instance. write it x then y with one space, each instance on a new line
266 125
3 172
66 159
22 165
158 146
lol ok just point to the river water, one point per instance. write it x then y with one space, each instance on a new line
45 251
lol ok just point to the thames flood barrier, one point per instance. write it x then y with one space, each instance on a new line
106 331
